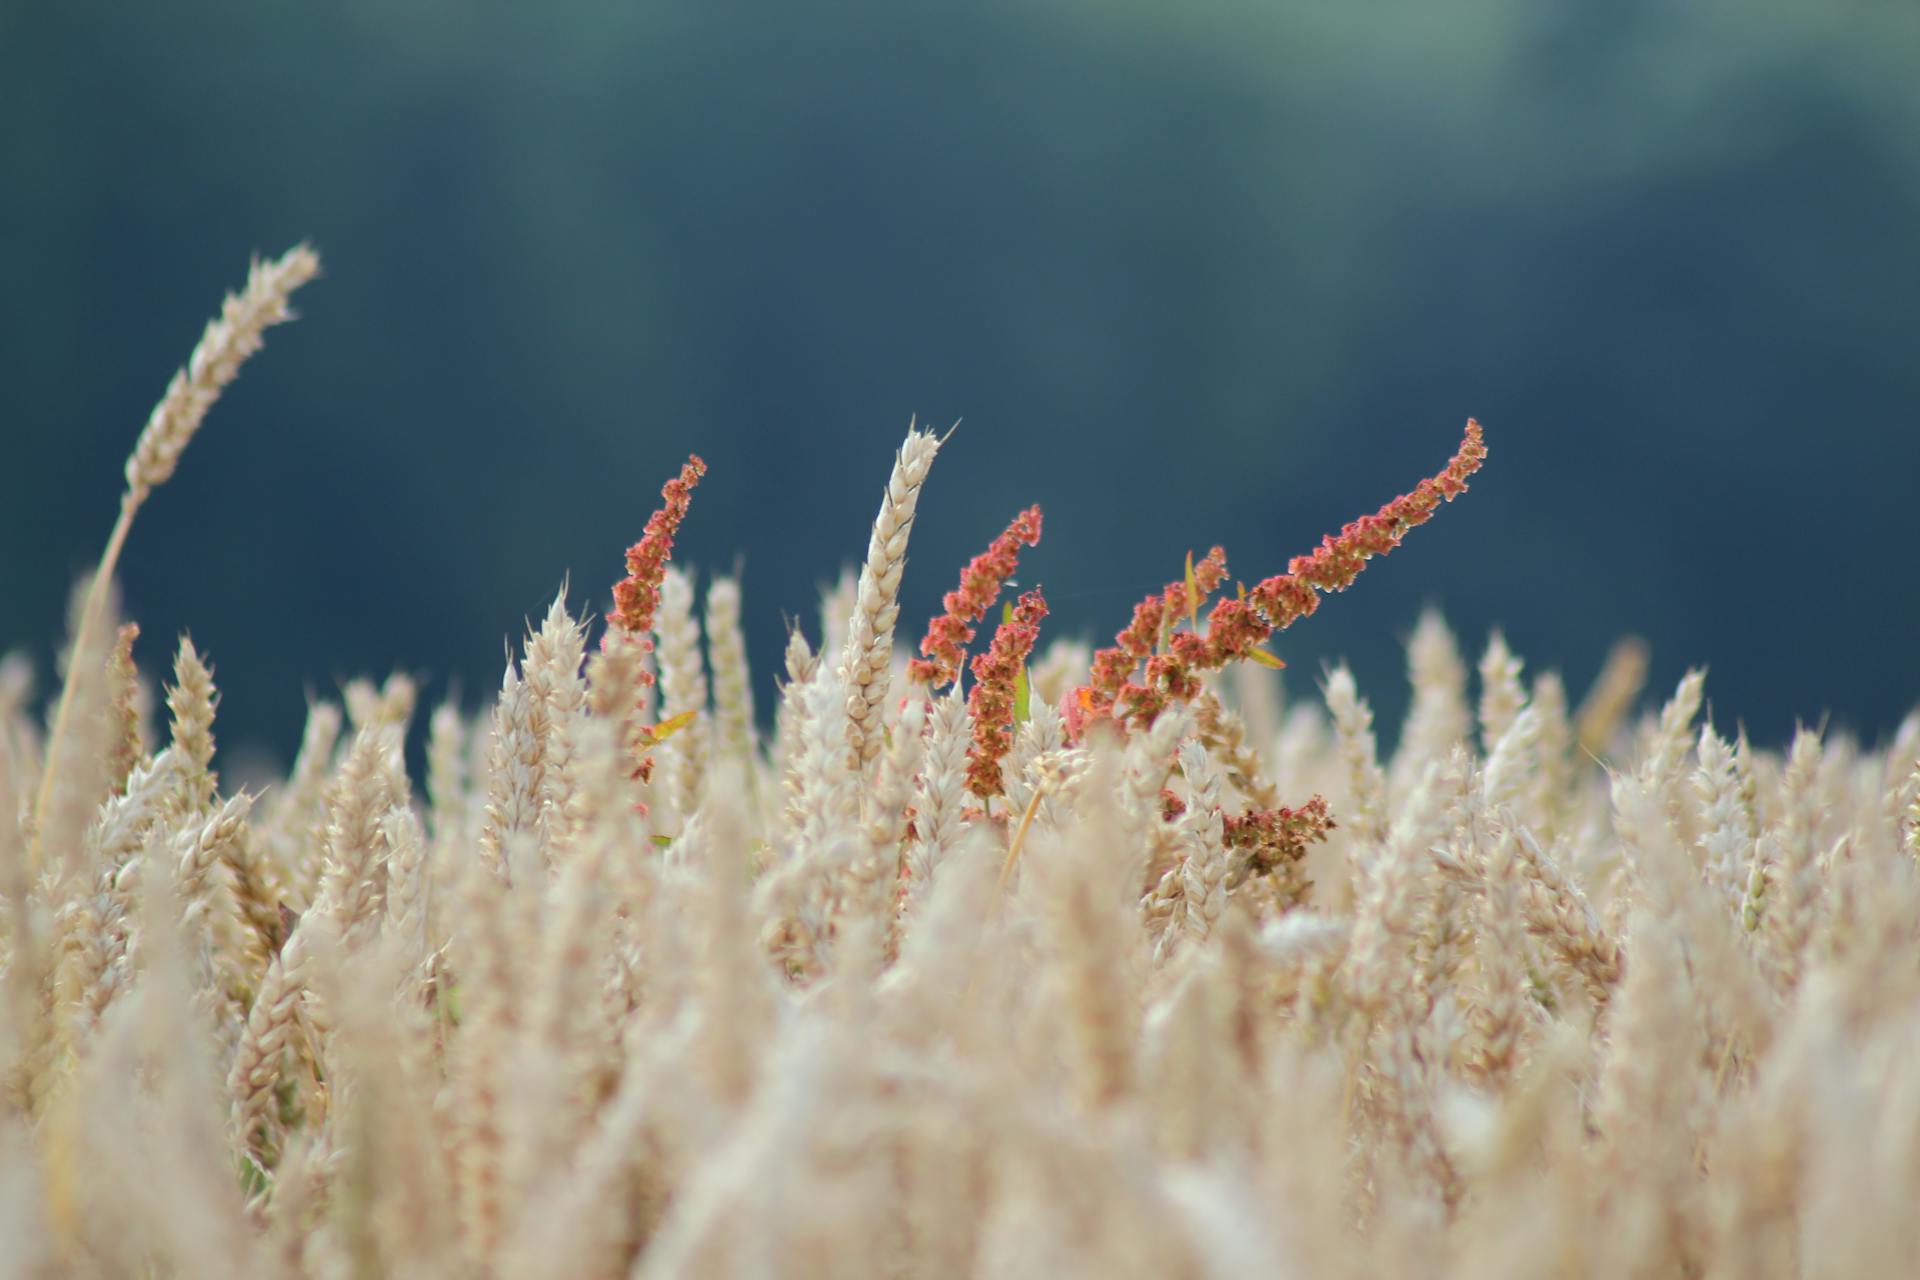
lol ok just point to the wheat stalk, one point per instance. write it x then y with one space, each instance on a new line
229 339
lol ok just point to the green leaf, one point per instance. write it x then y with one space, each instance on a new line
1267 660
664 842
253 1179
1022 696
1193 596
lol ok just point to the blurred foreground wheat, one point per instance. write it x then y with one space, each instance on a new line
1042 979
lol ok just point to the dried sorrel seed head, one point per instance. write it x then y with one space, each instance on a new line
637 596
949 634
1236 628
995 674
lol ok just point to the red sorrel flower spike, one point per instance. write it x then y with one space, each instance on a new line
637 596
1153 618
1236 628
1333 566
949 634
995 673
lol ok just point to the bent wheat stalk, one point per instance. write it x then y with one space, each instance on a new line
229 339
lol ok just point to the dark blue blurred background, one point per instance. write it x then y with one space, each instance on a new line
1221 270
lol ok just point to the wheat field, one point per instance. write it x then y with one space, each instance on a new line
998 956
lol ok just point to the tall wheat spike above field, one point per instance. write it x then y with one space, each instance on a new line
1012 959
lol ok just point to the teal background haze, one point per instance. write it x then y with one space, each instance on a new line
1212 271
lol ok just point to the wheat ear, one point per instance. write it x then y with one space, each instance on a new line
869 646
683 691
223 348
732 680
